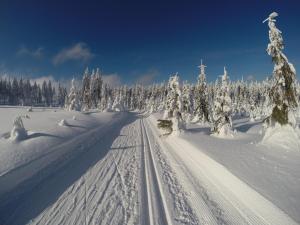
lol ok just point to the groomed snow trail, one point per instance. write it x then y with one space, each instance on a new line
130 175
215 194
154 207
114 178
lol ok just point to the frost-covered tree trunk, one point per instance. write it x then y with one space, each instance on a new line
282 93
222 122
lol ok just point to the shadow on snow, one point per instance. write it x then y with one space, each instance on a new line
26 201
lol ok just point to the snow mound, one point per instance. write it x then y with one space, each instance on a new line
285 136
18 131
63 123
225 132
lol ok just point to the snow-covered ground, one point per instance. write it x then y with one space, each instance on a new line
114 168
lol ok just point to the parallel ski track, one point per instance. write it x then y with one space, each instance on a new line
156 211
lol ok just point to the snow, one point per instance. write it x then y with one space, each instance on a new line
44 133
286 137
115 168
269 169
18 131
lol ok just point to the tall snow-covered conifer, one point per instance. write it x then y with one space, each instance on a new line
222 122
73 101
201 97
174 104
86 93
282 93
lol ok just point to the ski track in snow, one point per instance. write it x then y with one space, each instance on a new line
130 175
217 196
111 184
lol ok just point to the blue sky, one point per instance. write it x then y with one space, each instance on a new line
143 40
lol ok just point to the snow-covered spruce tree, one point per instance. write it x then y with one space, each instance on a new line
73 101
282 93
187 102
98 85
281 124
222 110
151 106
201 97
93 94
118 104
86 93
172 121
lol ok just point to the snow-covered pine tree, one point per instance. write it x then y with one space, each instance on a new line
73 101
201 97
86 93
118 104
282 93
173 110
187 102
222 122
98 84
93 93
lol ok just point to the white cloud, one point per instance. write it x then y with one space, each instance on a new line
79 51
35 53
147 78
112 80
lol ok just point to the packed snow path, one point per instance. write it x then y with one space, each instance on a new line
129 175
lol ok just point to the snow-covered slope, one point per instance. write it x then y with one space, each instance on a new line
273 172
114 168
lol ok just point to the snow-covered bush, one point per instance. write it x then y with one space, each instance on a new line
18 131
29 109
63 123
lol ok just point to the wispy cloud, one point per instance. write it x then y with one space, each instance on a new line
77 52
35 53
113 80
147 78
